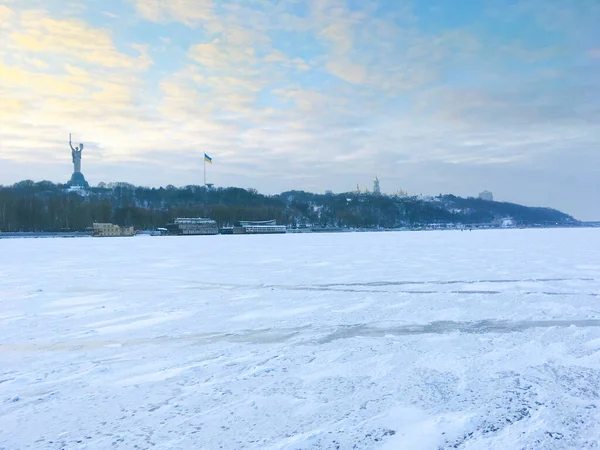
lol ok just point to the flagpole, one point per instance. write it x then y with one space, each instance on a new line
204 159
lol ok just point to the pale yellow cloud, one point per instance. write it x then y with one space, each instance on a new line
305 100
66 75
53 103
231 83
112 94
105 114
211 103
183 103
11 106
74 38
77 71
237 35
62 90
279 57
217 55
188 95
188 119
39 64
276 56
234 47
6 15
38 83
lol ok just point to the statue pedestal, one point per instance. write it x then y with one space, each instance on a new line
77 179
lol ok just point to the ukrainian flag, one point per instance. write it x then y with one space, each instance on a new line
207 158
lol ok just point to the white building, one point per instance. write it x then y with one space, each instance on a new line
487 196
507 223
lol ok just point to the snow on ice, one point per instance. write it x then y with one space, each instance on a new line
415 340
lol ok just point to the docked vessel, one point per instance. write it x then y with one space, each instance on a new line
189 226
111 230
259 227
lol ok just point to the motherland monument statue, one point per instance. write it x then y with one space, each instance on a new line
77 179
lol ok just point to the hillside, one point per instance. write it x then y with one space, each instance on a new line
45 206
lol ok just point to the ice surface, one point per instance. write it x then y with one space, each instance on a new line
416 340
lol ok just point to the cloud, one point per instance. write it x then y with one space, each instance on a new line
215 55
532 54
37 33
340 34
189 12
83 85
276 56
556 15
39 83
110 14
385 55
351 72
312 88
232 50
6 15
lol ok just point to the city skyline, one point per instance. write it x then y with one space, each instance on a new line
500 96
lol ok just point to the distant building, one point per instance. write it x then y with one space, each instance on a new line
376 189
188 226
507 223
111 230
487 196
258 227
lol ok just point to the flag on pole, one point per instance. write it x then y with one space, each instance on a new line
207 158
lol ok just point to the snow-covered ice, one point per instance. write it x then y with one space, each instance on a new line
416 340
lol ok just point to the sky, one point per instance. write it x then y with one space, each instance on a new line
431 96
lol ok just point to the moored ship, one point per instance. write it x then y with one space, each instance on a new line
111 230
259 227
192 226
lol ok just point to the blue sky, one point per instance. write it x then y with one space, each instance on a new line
432 96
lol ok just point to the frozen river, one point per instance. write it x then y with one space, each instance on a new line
411 340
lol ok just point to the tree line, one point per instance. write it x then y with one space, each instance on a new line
46 206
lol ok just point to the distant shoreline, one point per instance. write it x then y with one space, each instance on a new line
44 234
77 234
